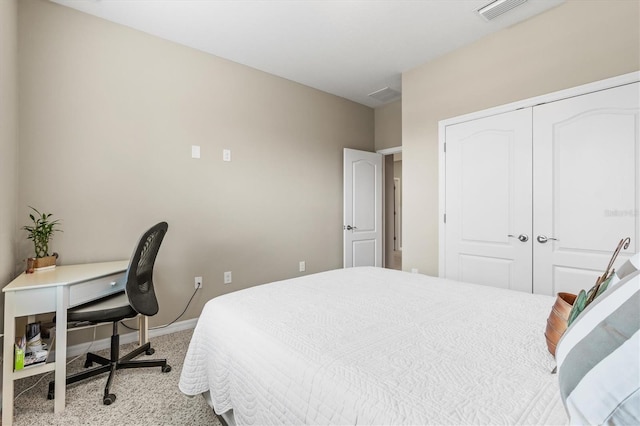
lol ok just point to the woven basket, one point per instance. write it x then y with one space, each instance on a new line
557 321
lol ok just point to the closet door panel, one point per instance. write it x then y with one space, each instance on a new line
488 187
586 186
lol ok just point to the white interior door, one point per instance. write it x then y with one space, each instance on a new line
586 186
362 228
488 201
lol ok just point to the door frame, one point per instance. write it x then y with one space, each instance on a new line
397 210
385 152
525 103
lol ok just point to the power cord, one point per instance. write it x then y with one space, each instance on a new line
165 325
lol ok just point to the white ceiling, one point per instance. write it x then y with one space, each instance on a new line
349 48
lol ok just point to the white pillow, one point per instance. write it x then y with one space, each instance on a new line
628 267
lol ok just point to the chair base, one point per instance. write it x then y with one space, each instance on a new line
111 366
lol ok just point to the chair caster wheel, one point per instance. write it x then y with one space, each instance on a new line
150 351
166 368
108 399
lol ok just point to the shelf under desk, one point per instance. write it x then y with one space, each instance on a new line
56 291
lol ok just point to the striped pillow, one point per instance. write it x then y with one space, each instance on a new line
599 358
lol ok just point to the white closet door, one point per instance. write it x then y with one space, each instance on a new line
586 186
488 198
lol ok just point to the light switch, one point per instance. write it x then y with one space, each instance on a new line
226 155
195 151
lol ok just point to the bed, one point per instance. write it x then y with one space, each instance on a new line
375 346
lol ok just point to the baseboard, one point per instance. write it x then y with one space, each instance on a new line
131 337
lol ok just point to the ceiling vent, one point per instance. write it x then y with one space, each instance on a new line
498 7
385 95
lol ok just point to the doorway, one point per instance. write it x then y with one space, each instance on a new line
392 208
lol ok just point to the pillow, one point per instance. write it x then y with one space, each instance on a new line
599 358
628 267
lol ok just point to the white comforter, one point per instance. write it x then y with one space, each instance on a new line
375 346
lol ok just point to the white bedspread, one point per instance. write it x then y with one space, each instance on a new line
375 346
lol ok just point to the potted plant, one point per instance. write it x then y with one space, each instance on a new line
41 233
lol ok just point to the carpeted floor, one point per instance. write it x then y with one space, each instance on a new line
144 396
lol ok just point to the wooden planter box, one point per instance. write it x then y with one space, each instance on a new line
41 263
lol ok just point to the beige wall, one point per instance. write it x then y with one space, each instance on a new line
107 119
8 140
388 126
575 43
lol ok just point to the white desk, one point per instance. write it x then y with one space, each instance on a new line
56 291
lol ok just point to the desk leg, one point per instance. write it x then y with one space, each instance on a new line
143 329
62 304
7 365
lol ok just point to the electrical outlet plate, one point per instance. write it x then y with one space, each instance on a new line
302 266
198 282
227 277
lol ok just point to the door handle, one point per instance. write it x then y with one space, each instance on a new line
349 227
522 237
543 239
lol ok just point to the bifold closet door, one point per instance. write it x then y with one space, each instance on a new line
488 201
586 177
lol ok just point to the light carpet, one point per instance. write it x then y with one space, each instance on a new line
145 396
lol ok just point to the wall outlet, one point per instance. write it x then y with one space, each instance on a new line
414 270
302 266
227 277
198 282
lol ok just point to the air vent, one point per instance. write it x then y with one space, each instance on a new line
385 95
498 7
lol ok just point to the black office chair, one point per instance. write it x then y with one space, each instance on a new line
139 298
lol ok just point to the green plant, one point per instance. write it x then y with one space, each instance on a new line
41 231
584 298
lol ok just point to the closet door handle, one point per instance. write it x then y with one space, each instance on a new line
543 239
522 237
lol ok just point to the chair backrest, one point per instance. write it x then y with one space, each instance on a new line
140 273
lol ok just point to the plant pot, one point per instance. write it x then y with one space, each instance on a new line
557 321
44 263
